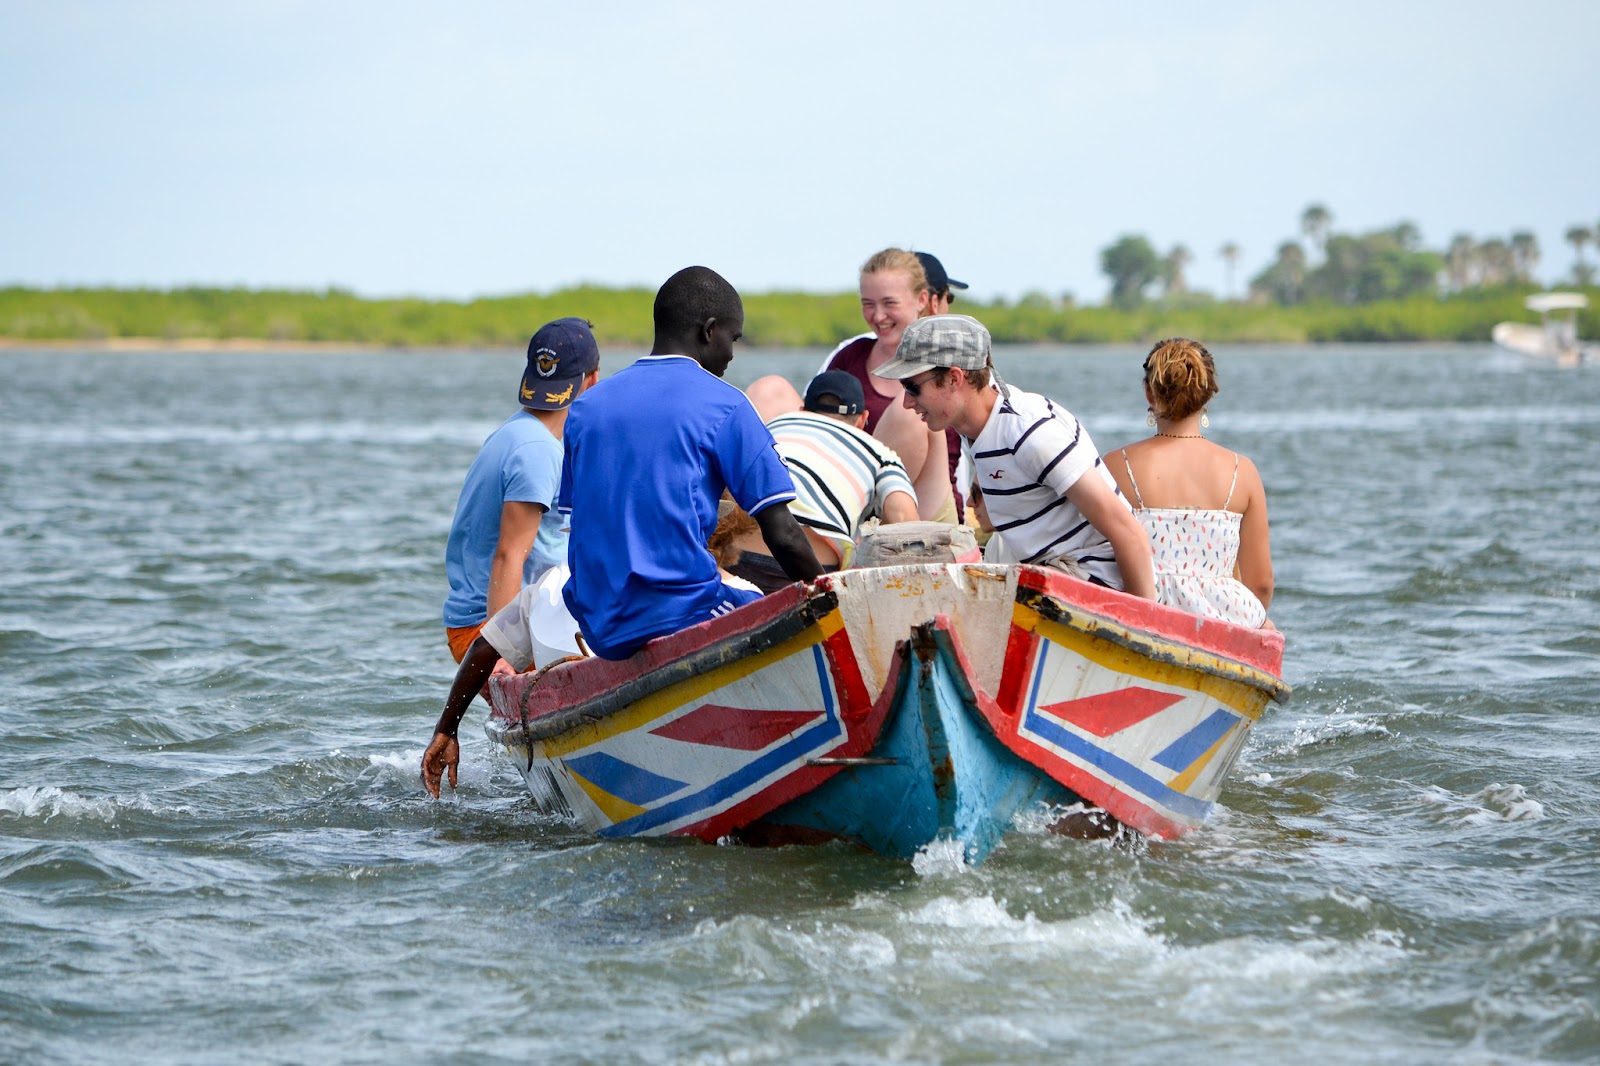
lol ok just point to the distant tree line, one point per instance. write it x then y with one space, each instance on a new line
622 318
1323 266
1322 286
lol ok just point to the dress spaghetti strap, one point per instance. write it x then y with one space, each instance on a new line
1231 485
1138 499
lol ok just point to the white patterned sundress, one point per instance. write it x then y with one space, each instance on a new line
1195 550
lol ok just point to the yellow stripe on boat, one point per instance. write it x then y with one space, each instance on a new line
669 699
1190 670
614 808
1185 780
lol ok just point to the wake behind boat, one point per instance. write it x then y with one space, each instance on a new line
894 706
1554 341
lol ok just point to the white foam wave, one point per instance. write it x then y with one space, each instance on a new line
831 948
1305 736
1116 945
1490 806
944 857
405 767
47 801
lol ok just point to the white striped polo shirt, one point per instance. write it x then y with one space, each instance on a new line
1027 456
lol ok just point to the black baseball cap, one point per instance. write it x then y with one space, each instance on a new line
849 399
938 280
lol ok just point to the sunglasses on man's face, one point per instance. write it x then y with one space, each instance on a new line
914 388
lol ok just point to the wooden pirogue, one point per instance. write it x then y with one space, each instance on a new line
895 706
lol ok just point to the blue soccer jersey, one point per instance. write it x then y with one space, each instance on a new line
648 453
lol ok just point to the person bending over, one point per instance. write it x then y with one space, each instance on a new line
842 475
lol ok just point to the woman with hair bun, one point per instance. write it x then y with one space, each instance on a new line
1203 506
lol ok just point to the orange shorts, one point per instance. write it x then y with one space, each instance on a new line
461 639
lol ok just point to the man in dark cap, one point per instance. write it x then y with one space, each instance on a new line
499 538
939 284
843 476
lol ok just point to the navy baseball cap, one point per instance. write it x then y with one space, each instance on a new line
938 280
559 355
848 397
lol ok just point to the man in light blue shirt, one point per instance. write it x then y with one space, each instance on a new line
501 537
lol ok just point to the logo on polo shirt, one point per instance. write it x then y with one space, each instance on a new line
997 475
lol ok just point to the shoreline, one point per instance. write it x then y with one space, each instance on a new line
206 345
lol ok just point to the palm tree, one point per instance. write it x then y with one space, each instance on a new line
1579 237
1314 223
1525 254
1230 256
1172 268
1459 261
1283 282
1496 263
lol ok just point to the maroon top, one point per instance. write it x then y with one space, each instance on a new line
852 359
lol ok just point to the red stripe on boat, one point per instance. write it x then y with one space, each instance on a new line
1112 712
740 728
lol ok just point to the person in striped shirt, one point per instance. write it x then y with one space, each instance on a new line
1045 489
842 475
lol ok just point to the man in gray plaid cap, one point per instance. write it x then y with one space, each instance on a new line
1048 494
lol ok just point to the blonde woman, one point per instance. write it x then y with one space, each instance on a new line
894 294
1203 506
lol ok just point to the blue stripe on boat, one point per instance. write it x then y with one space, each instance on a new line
1120 769
1196 742
623 779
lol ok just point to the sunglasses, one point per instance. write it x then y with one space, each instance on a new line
914 388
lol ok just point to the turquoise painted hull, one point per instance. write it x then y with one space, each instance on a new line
937 772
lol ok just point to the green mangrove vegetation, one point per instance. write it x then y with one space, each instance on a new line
1323 285
622 317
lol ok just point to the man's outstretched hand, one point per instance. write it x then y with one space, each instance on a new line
444 753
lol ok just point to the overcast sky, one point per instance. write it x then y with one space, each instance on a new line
464 148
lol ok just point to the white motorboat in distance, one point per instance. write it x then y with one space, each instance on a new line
1554 341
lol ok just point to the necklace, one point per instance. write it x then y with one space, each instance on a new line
1182 436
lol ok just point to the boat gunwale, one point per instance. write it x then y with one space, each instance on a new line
1154 646
716 652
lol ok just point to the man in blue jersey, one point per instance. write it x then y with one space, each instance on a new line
648 454
502 535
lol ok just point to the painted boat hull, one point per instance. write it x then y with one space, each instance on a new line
896 706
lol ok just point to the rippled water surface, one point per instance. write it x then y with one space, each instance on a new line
221 651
